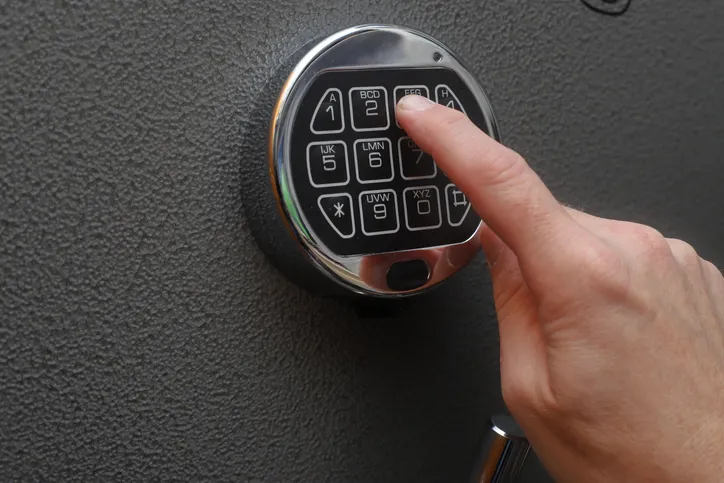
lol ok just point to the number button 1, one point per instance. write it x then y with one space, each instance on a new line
328 117
327 163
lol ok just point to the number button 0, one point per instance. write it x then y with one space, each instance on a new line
369 109
422 208
327 163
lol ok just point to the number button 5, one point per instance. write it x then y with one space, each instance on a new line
327 163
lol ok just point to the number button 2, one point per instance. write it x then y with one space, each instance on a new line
369 108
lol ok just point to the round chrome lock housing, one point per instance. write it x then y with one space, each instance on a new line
367 207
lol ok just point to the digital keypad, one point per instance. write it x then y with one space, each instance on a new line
367 187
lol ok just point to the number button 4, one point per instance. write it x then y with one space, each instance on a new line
445 96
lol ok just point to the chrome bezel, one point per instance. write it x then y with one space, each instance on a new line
366 46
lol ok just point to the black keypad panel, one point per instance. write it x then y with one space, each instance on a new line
363 185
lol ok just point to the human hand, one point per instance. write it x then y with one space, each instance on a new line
612 336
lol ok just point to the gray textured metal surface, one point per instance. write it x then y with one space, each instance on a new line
143 335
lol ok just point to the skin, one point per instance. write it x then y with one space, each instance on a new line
612 336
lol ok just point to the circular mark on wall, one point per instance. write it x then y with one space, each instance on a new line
609 7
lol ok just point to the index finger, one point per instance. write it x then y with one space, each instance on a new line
502 188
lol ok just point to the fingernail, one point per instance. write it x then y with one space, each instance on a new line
415 103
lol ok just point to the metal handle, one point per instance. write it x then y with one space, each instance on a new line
502 453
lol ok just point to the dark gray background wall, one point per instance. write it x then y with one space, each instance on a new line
143 335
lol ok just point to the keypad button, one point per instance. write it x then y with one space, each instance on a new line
402 91
373 160
414 162
457 205
422 208
378 212
369 109
339 213
445 96
328 117
327 163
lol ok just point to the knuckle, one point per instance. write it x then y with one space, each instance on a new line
684 253
452 122
529 397
517 394
504 167
717 275
649 242
604 269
